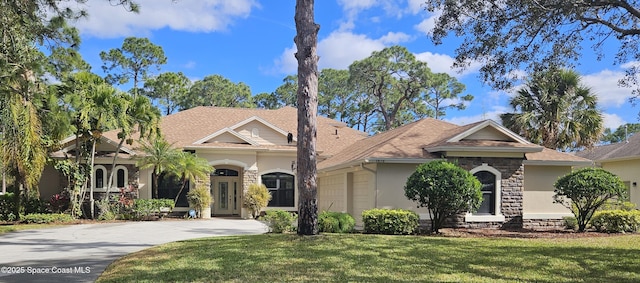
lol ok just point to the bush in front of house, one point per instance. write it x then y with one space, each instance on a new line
279 221
445 189
585 190
146 208
570 222
199 198
390 221
616 221
45 218
255 198
335 222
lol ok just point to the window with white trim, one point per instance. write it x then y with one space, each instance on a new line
99 177
121 177
489 210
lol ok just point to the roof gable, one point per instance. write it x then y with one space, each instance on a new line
489 130
226 135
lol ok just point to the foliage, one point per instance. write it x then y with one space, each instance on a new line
621 133
616 204
59 202
42 218
133 61
382 258
535 35
556 111
168 89
570 222
585 190
616 221
444 189
216 90
107 210
393 79
255 198
7 207
190 168
284 95
336 222
76 177
279 221
145 208
199 198
158 155
33 204
390 221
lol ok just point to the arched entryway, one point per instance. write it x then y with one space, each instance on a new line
226 189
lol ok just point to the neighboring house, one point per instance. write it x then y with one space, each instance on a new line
622 159
355 172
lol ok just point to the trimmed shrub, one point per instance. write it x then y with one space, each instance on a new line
390 221
44 218
33 204
570 222
445 189
587 189
279 221
255 198
616 221
335 222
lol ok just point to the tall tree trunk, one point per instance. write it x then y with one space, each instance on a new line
91 186
306 41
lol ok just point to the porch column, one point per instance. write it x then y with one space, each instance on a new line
249 176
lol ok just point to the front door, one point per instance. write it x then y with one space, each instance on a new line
226 196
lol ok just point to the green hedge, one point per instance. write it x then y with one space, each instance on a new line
279 221
44 218
335 222
7 207
390 221
616 221
145 208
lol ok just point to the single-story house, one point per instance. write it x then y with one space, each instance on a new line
355 172
622 159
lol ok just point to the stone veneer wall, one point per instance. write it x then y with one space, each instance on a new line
249 177
512 185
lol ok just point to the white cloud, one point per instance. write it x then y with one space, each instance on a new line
494 115
442 63
605 85
416 6
339 50
395 38
106 21
612 121
426 26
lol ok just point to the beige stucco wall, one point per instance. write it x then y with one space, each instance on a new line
332 192
391 181
538 191
144 184
628 171
265 134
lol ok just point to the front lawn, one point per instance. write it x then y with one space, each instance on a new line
376 258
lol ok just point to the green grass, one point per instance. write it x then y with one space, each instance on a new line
6 228
376 258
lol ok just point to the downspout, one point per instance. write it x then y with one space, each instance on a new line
375 183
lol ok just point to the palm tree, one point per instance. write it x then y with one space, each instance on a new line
556 111
159 155
190 167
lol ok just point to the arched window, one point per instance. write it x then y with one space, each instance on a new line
99 177
488 180
281 186
122 176
491 195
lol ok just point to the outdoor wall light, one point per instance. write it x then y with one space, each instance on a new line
294 167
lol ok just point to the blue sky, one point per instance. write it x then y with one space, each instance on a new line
251 41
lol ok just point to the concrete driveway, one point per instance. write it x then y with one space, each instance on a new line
80 253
